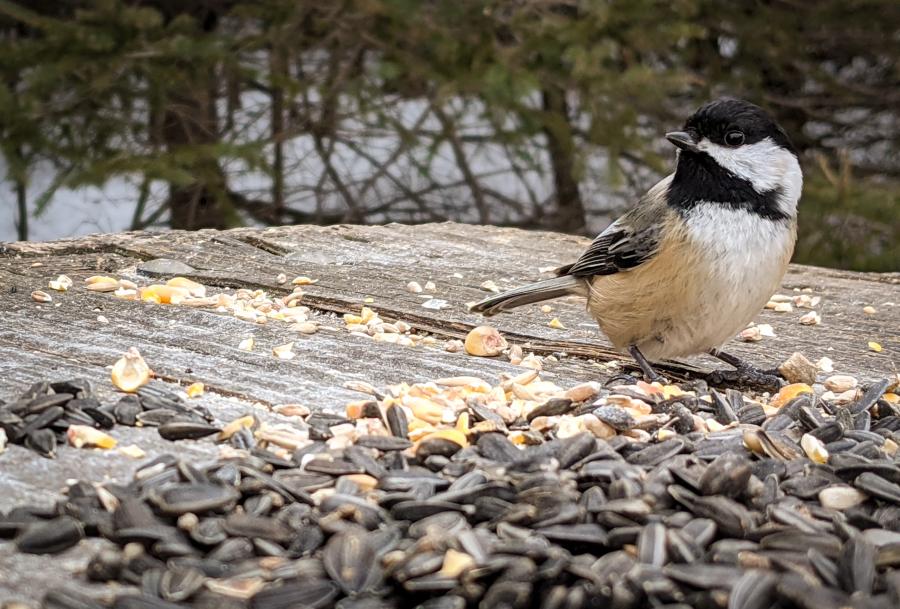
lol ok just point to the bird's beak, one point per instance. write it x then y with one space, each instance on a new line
683 140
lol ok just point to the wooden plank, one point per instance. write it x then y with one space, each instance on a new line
352 262
63 339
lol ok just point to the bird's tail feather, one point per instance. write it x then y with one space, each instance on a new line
531 293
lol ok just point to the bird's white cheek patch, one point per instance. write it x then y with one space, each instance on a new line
765 165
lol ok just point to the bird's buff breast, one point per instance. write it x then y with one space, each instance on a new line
707 282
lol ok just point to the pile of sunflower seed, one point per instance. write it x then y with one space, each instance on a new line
51 412
452 501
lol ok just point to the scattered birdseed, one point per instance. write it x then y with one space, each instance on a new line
546 308
246 344
430 286
870 310
876 347
40 296
696 497
414 287
303 280
555 323
281 278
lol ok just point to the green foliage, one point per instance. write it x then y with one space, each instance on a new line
194 93
848 222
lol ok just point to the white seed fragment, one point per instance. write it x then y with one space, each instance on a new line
61 283
303 280
284 351
490 286
281 278
102 319
305 327
811 319
766 330
546 308
40 296
414 287
430 286
133 451
814 448
825 364
870 310
839 383
840 497
783 307
435 304
751 335
246 344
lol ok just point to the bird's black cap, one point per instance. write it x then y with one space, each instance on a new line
716 118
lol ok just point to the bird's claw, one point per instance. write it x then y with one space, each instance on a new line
747 376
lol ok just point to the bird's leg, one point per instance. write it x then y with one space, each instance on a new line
744 373
651 375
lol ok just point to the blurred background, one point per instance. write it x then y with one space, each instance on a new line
542 114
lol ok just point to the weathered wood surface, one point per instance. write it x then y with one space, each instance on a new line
63 339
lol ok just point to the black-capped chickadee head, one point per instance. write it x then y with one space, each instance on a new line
730 142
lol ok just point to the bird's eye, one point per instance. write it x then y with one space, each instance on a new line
734 138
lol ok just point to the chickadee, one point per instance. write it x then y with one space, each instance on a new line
699 256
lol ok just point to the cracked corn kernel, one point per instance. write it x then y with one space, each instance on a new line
130 372
61 283
485 341
875 346
164 294
788 393
197 290
555 323
83 435
195 389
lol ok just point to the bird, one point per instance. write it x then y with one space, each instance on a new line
700 254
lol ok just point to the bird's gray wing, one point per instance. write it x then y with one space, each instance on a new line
625 244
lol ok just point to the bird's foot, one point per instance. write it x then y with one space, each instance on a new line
744 374
651 375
